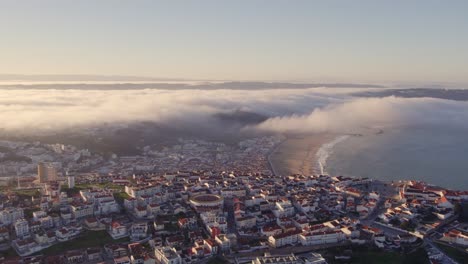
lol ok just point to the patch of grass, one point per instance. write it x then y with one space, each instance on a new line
120 196
28 212
454 253
28 192
71 191
9 253
78 187
87 240
107 185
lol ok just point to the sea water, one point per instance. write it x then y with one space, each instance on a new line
434 154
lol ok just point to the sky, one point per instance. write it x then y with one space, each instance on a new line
348 41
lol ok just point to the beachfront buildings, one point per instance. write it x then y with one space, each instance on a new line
318 238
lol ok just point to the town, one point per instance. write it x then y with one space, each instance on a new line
205 202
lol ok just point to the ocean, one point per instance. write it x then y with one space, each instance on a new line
435 154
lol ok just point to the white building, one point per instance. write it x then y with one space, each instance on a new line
71 181
105 207
46 222
82 210
457 237
22 228
137 191
167 255
10 215
224 242
317 238
139 230
283 208
289 238
246 222
116 230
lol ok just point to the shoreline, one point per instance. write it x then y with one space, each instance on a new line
298 154
307 154
324 152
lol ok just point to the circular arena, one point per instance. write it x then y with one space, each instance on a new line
207 202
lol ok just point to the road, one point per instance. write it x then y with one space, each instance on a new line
445 259
231 221
288 250
270 164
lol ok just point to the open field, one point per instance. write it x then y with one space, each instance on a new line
78 187
27 192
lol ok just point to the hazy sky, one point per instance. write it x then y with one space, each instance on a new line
262 40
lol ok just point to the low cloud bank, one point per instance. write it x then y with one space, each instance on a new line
356 115
289 110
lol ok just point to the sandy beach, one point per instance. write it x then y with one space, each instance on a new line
297 154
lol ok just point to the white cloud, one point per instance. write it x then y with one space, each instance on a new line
291 110
360 113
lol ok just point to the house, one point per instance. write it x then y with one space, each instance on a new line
94 254
81 210
140 211
158 225
444 213
246 222
41 238
91 222
24 246
224 242
176 240
271 230
167 255
280 240
443 203
137 255
139 230
283 208
117 230
66 233
456 237
115 250
75 256
122 260
187 223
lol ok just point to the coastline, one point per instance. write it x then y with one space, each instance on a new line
324 152
298 154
